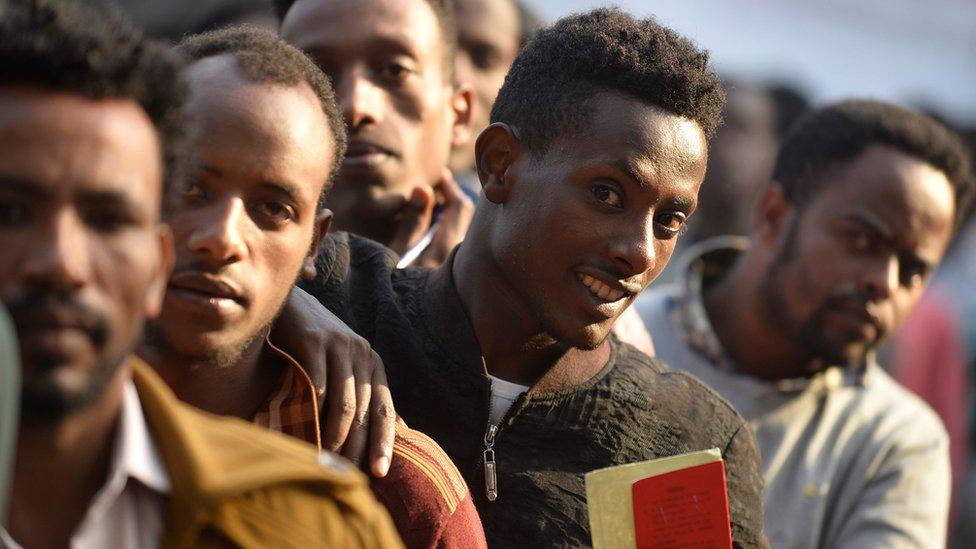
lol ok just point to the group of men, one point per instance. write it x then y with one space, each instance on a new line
212 250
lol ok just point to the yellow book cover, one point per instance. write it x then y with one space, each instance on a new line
678 502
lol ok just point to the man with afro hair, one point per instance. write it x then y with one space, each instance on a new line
590 168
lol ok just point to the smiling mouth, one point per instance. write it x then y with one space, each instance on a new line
599 289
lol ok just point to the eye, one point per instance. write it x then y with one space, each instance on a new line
913 274
671 222
108 220
607 195
13 213
277 212
395 72
193 190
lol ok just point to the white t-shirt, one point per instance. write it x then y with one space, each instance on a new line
503 395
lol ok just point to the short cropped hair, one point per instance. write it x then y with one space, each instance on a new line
547 91
264 57
99 55
443 10
838 133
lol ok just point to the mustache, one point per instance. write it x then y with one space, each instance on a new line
40 310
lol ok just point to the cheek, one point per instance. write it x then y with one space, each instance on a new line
125 267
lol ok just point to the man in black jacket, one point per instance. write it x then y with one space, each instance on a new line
590 169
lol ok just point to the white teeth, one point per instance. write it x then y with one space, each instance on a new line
599 289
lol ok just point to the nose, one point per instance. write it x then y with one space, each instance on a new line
218 233
633 250
880 280
63 260
358 99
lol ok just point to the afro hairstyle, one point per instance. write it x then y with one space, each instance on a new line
547 91
99 55
831 135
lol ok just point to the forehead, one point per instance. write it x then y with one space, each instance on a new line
257 127
346 26
484 21
909 197
650 141
61 142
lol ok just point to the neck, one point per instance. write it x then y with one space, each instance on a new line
60 466
237 389
514 344
757 345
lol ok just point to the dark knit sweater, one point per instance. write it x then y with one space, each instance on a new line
634 409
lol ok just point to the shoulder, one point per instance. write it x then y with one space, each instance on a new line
676 391
895 414
426 495
257 484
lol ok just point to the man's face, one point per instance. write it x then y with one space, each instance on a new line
590 223
386 59
246 219
84 254
488 41
853 262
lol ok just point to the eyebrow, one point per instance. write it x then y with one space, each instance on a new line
23 187
871 223
884 234
293 191
631 172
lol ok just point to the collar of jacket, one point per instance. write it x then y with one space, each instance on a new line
212 459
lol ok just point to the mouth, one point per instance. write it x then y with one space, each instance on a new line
365 154
604 290
207 293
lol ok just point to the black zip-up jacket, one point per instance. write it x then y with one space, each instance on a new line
634 409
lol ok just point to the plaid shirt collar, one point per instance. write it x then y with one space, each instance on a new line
704 263
293 407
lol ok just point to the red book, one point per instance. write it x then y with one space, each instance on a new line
676 501
684 508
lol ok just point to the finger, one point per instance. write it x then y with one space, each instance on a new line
354 448
457 211
340 397
382 427
413 219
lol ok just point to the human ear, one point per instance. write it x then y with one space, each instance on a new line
495 151
462 102
771 215
323 220
156 292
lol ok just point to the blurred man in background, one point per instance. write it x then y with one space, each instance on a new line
864 199
392 63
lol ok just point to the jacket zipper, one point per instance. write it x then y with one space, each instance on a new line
491 434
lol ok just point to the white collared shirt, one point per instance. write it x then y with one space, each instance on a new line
128 510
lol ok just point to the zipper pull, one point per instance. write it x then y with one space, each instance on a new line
491 479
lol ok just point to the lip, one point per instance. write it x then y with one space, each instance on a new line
55 333
361 153
606 294
861 318
206 294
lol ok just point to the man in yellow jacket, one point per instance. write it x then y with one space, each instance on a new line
106 455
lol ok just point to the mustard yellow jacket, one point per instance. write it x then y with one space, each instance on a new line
236 484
